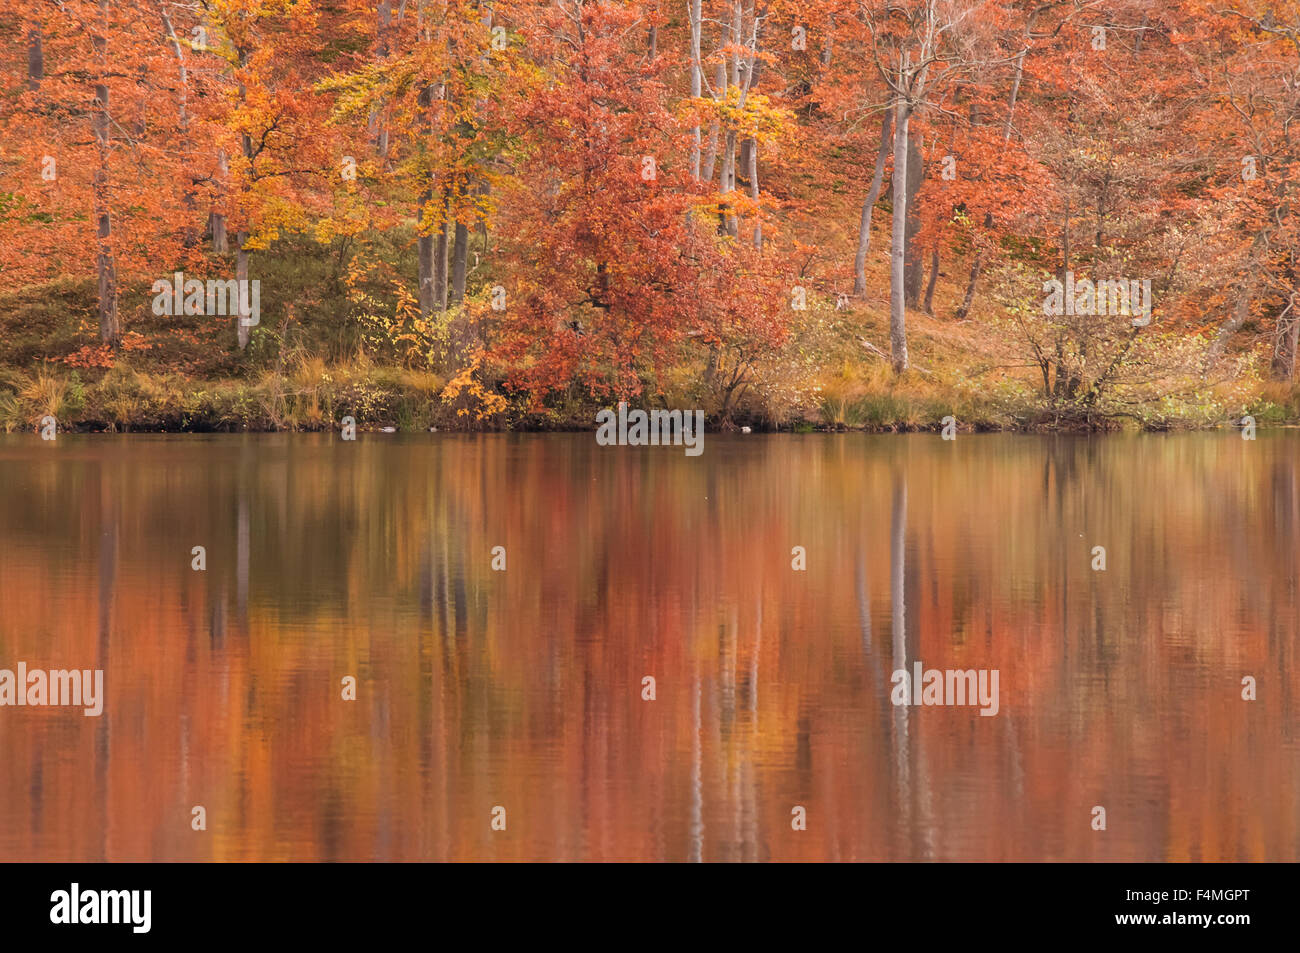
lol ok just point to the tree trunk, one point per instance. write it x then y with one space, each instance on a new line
189 230
458 260
726 217
694 10
914 266
243 330
219 245
753 194
1015 92
424 253
1240 313
934 279
873 194
728 224
35 58
424 237
976 266
737 31
719 95
440 254
1229 327
105 268
1284 355
748 145
384 21
898 241
110 326
1065 240
748 68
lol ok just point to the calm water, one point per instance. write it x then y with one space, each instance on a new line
523 689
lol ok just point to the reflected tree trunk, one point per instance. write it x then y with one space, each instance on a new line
898 626
108 531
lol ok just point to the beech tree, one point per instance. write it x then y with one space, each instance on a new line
916 48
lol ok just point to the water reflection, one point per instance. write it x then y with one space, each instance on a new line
523 688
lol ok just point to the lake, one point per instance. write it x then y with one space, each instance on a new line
516 697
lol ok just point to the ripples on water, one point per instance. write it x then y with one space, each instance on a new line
522 688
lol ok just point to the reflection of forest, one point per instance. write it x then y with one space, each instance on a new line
522 688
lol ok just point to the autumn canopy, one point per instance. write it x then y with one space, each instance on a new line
838 213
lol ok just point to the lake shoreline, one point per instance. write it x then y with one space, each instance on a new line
711 428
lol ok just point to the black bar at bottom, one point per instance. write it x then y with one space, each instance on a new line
808 904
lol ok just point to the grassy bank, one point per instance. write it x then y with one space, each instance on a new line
309 364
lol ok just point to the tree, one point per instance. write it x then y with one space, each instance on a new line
630 270
908 42
89 164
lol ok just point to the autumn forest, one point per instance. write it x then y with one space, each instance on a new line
836 214
298 296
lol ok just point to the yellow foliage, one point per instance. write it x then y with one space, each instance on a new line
758 118
481 401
